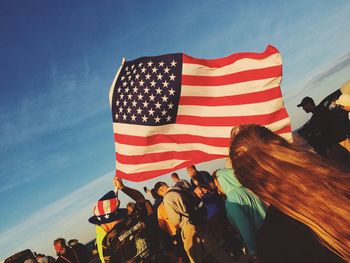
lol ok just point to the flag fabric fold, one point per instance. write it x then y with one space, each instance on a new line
174 110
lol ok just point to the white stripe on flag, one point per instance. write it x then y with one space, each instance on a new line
130 150
175 129
238 66
230 90
232 110
145 167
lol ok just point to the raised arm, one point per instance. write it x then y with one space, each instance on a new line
134 194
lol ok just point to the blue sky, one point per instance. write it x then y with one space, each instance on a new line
58 59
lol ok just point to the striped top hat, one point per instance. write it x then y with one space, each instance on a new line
107 210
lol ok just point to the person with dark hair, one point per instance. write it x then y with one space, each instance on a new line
308 216
196 175
65 253
80 250
41 258
129 238
72 242
318 130
181 183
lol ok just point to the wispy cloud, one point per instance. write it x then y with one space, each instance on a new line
334 68
66 217
69 97
22 166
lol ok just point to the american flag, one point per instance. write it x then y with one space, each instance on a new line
174 110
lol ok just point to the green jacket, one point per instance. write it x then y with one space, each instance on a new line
244 209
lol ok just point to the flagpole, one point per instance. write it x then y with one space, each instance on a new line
113 83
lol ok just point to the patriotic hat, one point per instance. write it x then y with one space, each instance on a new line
107 210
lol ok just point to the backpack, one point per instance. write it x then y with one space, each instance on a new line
197 212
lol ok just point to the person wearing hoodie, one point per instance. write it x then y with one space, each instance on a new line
244 209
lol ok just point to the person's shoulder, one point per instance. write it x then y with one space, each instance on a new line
79 245
59 260
173 193
320 109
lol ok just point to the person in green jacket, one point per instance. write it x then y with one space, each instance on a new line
244 209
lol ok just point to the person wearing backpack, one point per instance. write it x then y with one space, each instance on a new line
187 211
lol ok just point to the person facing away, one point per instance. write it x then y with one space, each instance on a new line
308 216
65 253
181 183
80 250
197 241
129 238
244 209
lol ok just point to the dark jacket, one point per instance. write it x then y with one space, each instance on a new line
282 239
82 253
132 239
69 256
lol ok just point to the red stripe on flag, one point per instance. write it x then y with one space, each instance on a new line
221 62
163 156
263 119
247 75
248 98
284 130
162 138
146 175
113 205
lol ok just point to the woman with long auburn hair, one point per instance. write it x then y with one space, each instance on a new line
309 215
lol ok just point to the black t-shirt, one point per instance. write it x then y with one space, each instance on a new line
131 239
69 256
282 239
81 252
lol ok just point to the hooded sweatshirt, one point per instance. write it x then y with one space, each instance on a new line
244 209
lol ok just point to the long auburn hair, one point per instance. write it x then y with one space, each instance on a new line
297 181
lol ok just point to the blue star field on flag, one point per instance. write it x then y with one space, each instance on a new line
147 91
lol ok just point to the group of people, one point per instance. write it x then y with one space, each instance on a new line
70 252
277 202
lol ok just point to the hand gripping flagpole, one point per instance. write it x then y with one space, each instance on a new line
111 90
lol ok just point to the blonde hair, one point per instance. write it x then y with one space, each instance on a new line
297 181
